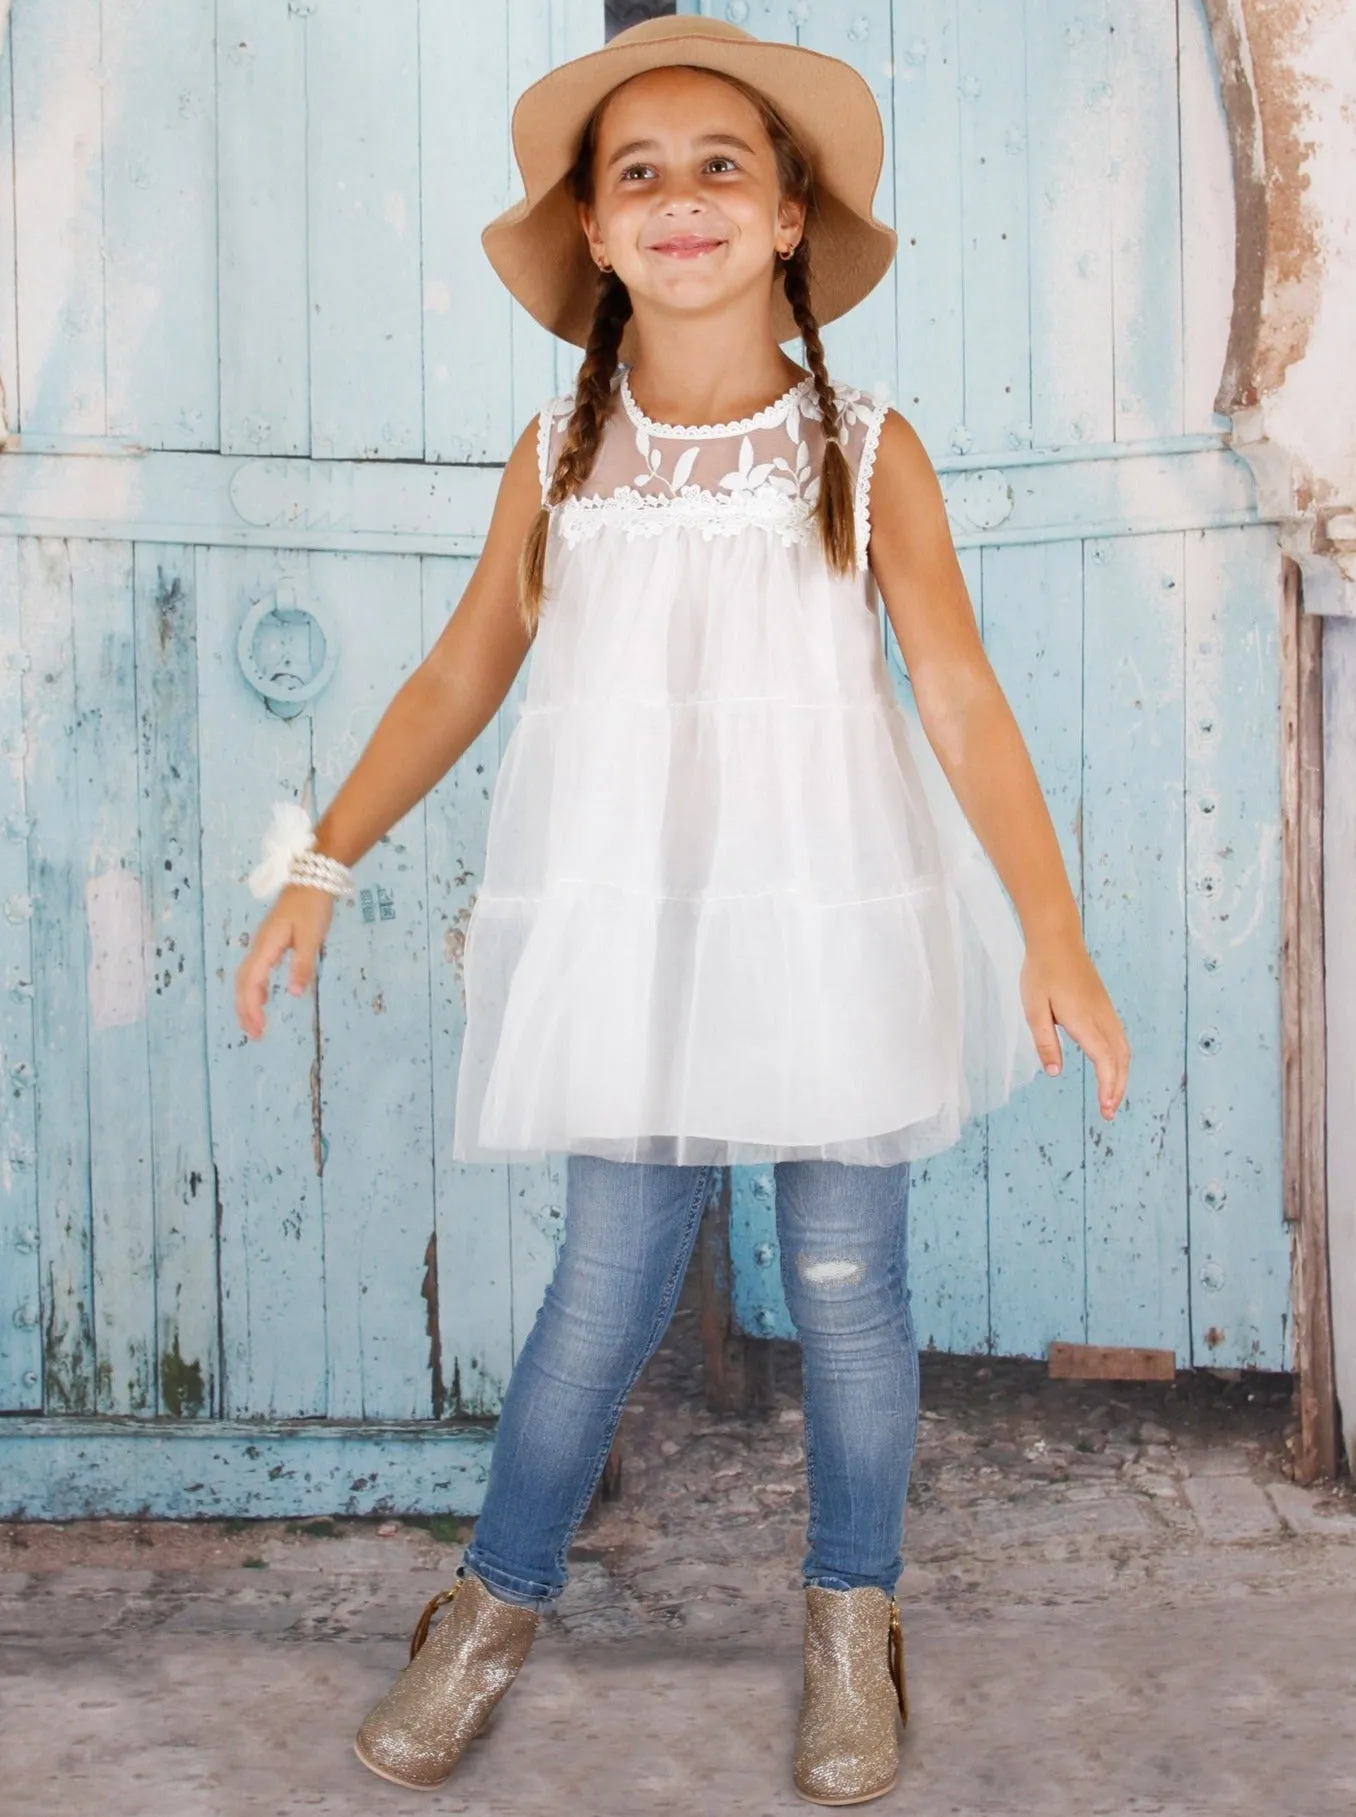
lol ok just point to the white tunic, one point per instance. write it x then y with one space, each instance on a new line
731 909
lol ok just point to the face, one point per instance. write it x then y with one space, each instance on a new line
687 206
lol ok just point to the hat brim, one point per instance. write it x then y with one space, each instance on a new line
537 247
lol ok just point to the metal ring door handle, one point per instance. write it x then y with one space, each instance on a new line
282 689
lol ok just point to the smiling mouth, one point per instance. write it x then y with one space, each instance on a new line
686 249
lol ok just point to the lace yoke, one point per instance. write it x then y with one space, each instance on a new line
715 478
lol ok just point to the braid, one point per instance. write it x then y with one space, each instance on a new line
593 389
834 509
583 433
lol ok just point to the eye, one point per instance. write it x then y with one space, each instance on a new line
627 169
721 157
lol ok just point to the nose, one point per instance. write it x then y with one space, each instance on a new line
682 204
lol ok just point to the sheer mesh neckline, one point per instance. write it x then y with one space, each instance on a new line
761 419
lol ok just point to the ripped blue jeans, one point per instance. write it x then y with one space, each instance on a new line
629 1231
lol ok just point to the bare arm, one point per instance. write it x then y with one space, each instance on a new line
454 693
432 719
971 727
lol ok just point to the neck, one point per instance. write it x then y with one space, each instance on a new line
714 368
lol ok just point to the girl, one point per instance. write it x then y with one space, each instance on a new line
734 907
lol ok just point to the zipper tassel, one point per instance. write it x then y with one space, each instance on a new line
421 1627
897 1659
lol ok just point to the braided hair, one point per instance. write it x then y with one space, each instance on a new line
583 433
612 311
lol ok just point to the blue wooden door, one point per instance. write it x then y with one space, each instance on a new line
1055 326
259 379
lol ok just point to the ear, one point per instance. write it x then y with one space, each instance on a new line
588 221
791 215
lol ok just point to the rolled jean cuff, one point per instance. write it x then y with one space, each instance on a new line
504 1584
829 1580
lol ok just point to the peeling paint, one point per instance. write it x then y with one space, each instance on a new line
116 977
1286 79
182 1391
429 1292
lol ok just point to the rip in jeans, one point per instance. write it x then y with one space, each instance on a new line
829 1271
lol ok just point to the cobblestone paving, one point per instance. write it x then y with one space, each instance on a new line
1116 1602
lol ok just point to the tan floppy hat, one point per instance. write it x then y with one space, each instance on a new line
538 247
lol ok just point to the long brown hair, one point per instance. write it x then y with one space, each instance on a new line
612 311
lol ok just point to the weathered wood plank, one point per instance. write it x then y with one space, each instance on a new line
465 181
1304 1030
1069 104
1338 861
184 1181
160 264
1110 1363
1207 220
9 302
472 1314
949 1192
20 1262
1133 912
737 1370
105 828
74 1469
58 157
265 1094
60 1048
1146 220
995 277
362 98
375 1114
861 346
409 507
1240 1263
1033 632
541 33
757 1300
262 228
928 265
468 175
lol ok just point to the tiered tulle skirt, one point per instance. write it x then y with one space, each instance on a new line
731 910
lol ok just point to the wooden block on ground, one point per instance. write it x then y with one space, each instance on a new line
1110 1363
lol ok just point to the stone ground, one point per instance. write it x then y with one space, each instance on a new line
1115 1602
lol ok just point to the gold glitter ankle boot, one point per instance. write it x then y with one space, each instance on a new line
847 1745
445 1695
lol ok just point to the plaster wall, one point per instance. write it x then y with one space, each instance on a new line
1288 77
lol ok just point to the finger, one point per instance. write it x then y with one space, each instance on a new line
1046 1038
252 980
1110 1077
303 967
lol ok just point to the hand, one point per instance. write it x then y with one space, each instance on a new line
1059 983
299 919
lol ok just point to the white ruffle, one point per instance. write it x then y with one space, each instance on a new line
288 833
731 909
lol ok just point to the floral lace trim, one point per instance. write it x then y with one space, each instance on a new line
546 422
862 492
712 513
696 432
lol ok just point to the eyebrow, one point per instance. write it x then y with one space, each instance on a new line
710 138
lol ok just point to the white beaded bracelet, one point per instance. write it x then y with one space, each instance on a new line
289 857
317 871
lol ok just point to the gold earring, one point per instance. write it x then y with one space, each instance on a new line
603 265
788 254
